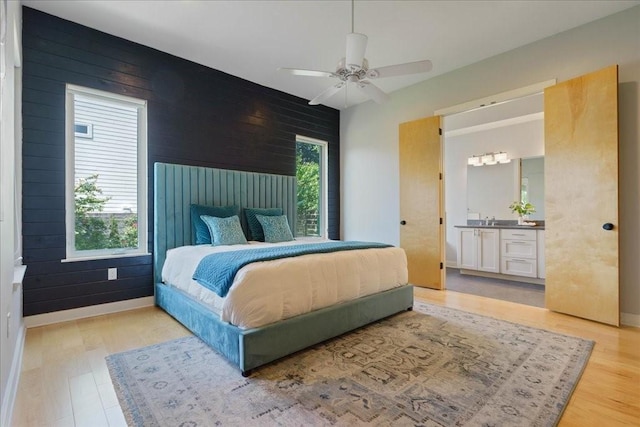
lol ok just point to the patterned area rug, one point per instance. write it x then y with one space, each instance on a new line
434 366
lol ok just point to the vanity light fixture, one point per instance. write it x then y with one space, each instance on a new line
488 159
501 157
474 161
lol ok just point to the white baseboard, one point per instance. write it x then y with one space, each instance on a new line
14 379
84 312
629 319
452 264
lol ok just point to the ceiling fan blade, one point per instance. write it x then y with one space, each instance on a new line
400 69
327 94
356 46
373 91
312 73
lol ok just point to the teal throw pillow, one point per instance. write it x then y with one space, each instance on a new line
200 229
276 228
255 229
225 231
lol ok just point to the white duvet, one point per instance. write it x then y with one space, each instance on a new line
268 291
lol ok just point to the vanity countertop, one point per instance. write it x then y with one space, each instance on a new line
499 226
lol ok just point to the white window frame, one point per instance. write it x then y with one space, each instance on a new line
324 181
71 253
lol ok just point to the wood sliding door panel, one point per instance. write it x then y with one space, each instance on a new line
421 205
581 195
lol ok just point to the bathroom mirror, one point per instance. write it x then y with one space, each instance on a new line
532 184
492 188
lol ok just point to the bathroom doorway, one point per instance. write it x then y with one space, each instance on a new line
514 129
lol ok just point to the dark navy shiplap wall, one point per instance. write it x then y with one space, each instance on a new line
196 116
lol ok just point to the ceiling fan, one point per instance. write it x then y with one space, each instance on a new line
354 68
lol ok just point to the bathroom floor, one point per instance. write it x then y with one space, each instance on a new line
507 290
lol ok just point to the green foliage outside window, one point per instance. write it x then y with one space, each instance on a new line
308 181
95 230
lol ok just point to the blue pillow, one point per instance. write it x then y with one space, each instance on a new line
225 231
200 229
276 228
255 229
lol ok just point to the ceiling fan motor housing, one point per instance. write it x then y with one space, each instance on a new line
356 46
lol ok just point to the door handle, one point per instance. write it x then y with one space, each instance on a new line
607 226
403 222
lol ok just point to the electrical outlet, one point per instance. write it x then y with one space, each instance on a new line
112 274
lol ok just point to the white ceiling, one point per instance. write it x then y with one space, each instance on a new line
251 39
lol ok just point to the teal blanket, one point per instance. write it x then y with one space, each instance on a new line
217 271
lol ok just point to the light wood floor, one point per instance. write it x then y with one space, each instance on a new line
65 381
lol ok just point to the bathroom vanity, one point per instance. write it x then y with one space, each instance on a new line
511 252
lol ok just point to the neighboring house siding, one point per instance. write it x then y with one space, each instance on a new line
110 152
196 115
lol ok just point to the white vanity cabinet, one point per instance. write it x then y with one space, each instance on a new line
502 252
479 249
519 252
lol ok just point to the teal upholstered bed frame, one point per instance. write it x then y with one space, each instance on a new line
176 187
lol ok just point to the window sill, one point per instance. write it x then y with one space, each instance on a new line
18 276
106 256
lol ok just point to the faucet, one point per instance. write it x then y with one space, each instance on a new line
486 220
493 220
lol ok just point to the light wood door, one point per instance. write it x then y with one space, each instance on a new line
421 201
581 195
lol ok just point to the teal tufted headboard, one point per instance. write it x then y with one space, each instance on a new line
176 187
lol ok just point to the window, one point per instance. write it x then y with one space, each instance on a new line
311 175
106 174
83 130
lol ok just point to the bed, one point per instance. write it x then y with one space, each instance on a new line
249 345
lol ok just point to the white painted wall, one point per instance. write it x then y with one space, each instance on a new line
11 323
369 132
